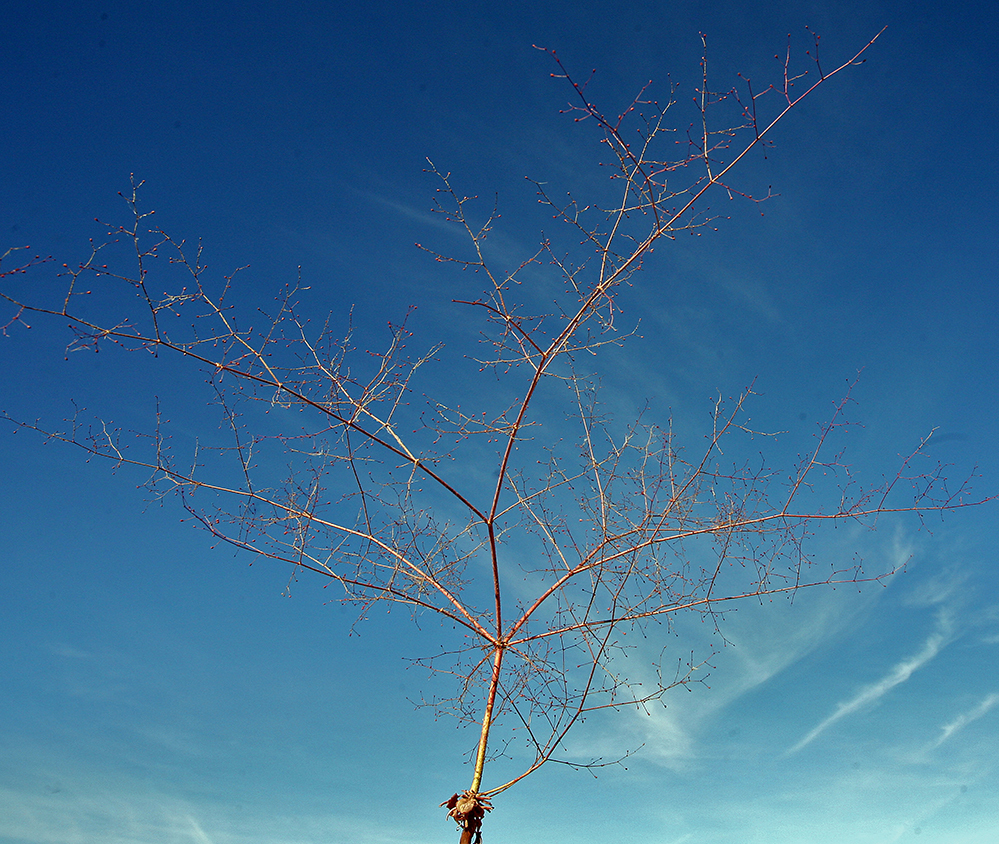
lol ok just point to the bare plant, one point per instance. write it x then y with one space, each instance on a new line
441 504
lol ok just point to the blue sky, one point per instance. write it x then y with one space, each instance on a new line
155 689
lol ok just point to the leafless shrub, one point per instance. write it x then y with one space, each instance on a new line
439 505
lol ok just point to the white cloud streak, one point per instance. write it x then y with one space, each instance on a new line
129 813
197 833
901 672
964 719
427 218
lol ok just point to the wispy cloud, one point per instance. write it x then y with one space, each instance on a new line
427 218
197 833
964 719
945 586
669 741
122 811
937 640
763 642
68 651
659 735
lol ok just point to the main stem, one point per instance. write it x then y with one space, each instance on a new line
487 719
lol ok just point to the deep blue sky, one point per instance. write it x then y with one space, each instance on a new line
155 690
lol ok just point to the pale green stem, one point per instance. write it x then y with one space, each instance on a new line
487 718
